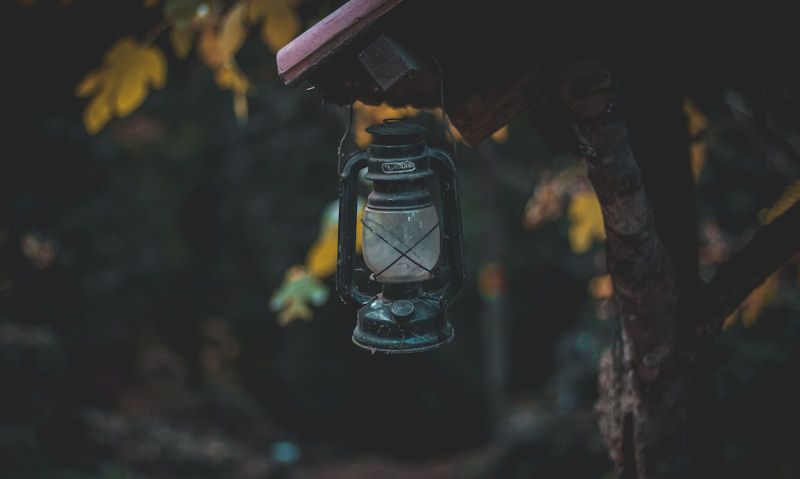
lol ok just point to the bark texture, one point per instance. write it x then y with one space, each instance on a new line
649 379
643 402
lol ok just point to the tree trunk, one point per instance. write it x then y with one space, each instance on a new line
643 404
655 381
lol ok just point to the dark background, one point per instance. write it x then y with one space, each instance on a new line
145 347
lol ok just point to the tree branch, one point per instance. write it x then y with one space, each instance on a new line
644 277
773 245
642 405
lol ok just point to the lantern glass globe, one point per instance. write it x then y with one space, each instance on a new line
401 246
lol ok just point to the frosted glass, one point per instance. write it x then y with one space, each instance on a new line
386 230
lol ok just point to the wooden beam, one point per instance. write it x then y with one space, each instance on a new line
479 115
380 51
321 42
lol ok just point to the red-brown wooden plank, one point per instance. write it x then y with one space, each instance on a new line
323 40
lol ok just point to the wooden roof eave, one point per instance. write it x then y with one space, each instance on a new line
483 92
320 43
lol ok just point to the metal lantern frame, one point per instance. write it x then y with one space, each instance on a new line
401 317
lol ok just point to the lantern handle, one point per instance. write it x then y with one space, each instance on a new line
348 214
451 211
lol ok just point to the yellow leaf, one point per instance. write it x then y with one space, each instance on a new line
218 47
547 202
544 205
208 48
790 196
501 135
359 230
457 137
697 123
752 307
130 97
97 113
697 159
257 9
293 297
586 221
293 311
321 257
133 69
151 3
365 116
233 34
437 113
229 77
89 84
730 321
601 287
130 69
181 38
302 284
281 25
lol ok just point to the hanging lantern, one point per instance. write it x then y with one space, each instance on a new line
412 264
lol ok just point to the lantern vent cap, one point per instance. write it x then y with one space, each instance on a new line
394 132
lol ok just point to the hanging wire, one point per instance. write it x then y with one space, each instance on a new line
445 120
339 151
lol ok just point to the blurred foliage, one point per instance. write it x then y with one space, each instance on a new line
301 285
755 303
586 221
218 28
790 196
697 124
367 115
121 86
299 288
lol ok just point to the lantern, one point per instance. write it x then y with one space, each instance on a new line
412 264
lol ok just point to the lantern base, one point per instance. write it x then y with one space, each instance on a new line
402 326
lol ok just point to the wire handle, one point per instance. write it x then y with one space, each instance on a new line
445 119
340 149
